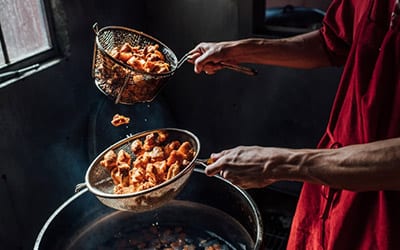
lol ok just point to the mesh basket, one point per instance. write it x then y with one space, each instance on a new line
120 81
98 179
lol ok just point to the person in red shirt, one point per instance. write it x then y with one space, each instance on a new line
351 193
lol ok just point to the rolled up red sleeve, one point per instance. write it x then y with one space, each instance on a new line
337 30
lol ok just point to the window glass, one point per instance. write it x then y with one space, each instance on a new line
24 28
2 62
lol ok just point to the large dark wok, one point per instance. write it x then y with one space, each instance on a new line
209 203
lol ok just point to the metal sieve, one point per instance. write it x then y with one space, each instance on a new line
99 182
120 81
123 83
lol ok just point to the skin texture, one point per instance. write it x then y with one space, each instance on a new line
363 167
304 51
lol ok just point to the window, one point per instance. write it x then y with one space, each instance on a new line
282 18
26 38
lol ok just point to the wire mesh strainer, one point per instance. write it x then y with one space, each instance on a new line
118 80
99 182
127 85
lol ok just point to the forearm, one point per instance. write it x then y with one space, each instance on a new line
363 167
303 51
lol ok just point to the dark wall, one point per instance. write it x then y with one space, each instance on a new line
279 106
54 122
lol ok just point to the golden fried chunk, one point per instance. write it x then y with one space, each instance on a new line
186 150
137 175
161 169
126 47
136 146
175 157
123 157
162 136
119 120
174 145
151 175
148 58
157 154
110 160
150 142
156 161
120 175
173 170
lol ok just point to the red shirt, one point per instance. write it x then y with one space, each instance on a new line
356 34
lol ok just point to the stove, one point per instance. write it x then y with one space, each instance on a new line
277 208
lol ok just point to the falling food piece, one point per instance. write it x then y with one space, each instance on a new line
119 120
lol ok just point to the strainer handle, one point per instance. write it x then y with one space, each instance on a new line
201 162
184 58
79 187
96 28
234 67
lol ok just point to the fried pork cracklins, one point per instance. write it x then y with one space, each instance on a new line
110 76
119 120
153 161
148 58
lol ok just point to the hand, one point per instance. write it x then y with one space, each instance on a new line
207 57
250 166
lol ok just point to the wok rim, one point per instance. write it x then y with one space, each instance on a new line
258 241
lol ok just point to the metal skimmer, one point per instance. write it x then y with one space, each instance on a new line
123 83
99 182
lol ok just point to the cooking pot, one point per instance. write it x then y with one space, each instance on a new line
211 207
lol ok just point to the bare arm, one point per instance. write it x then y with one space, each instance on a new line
372 166
362 167
302 51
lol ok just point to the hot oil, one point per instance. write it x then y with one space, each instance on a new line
177 225
169 237
155 227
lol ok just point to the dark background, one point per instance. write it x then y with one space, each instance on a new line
54 122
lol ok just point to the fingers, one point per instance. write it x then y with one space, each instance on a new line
213 169
204 58
193 55
205 63
216 165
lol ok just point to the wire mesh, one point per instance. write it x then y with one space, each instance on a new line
120 81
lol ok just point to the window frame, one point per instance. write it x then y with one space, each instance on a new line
36 62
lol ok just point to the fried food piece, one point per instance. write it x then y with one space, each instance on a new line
173 170
119 120
162 136
150 141
154 161
156 154
174 145
136 146
123 157
110 160
148 59
186 149
120 175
